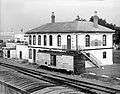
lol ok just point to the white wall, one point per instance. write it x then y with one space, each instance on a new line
42 58
24 50
65 62
21 37
99 55
10 45
62 61
13 53
81 40
63 40
94 36
81 43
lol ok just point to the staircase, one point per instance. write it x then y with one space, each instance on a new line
92 59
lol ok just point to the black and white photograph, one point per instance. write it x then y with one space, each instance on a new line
59 46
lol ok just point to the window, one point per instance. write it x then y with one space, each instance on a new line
68 42
39 39
87 37
53 60
58 40
20 54
50 40
104 40
34 40
30 39
104 55
30 53
45 40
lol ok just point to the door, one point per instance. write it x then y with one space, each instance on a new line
34 55
8 54
68 42
20 54
53 60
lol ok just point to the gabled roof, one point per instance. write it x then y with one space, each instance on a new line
70 27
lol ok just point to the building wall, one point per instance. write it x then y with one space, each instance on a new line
4 53
62 61
99 55
20 37
65 62
43 59
24 50
12 53
10 45
80 39
93 37
63 41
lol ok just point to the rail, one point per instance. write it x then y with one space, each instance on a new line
91 88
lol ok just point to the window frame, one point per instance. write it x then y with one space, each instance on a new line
104 55
45 40
39 39
50 40
30 40
87 41
59 40
104 40
53 60
34 39
30 53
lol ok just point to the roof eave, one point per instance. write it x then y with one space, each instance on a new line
44 32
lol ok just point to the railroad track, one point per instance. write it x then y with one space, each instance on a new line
86 87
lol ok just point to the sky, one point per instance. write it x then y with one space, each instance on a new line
28 14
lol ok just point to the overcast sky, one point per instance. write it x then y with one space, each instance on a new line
27 14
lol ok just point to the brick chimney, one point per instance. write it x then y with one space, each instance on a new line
95 20
52 18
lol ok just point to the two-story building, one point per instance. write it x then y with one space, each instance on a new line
60 44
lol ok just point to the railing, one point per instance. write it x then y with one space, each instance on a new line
96 59
92 58
93 61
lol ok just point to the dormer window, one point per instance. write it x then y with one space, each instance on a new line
87 40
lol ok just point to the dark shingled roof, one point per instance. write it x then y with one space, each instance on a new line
68 27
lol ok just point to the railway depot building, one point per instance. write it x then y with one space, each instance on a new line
65 45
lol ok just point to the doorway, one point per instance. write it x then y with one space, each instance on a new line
8 54
68 42
34 55
20 54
